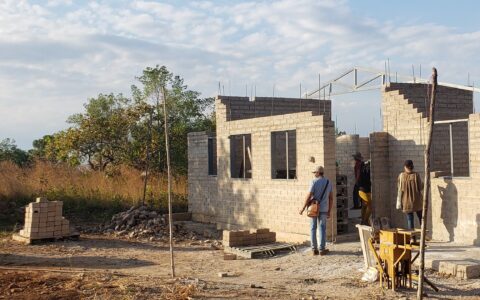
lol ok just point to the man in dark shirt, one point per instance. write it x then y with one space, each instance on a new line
365 192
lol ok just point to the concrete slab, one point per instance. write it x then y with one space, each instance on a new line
461 261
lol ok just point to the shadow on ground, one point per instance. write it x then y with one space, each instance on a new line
105 243
91 262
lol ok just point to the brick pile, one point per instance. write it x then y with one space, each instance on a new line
238 238
43 220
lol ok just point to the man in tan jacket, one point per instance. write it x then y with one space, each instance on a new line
409 198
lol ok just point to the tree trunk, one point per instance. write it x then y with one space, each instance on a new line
426 190
167 152
147 163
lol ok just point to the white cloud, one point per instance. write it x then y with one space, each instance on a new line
55 55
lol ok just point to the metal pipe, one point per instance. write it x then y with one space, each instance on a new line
286 152
451 121
356 75
451 149
244 157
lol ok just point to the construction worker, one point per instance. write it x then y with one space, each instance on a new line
409 197
358 163
364 192
321 191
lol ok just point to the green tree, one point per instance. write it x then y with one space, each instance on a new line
116 130
187 112
41 146
99 136
10 151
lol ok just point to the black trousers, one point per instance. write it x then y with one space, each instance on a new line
356 199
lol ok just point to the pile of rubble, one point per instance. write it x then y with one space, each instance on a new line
144 223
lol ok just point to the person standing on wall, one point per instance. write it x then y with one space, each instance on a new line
321 192
365 192
409 197
358 163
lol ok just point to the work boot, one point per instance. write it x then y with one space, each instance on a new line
315 252
324 252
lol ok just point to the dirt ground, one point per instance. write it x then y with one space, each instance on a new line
106 267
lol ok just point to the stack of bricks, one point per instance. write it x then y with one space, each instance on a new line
342 204
43 220
238 238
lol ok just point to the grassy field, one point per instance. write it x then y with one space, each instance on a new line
87 195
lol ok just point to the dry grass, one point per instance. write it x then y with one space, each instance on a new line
179 292
84 192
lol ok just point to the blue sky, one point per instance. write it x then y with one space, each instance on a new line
56 54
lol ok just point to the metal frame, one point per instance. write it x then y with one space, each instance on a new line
373 75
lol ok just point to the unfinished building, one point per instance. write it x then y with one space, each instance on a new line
256 169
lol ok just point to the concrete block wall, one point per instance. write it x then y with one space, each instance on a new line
441 148
474 145
237 203
455 210
364 147
202 188
380 174
404 108
263 201
451 104
455 203
406 129
346 145
239 108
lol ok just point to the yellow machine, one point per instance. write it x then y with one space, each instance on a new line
395 256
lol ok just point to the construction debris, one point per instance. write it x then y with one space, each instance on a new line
143 222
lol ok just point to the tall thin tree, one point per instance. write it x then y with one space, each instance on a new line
426 190
169 178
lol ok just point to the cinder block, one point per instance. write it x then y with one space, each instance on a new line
467 270
229 256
